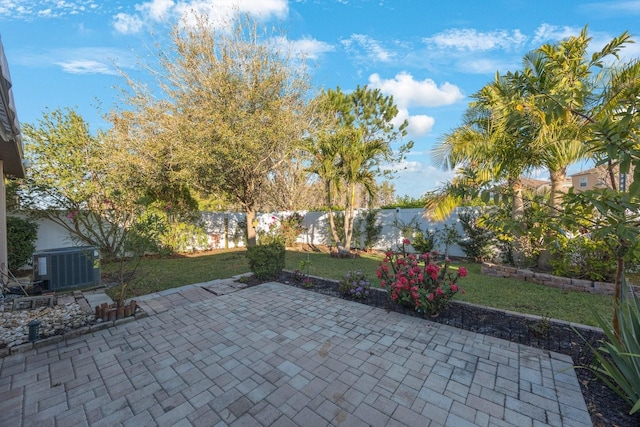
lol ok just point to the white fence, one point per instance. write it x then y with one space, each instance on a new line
221 228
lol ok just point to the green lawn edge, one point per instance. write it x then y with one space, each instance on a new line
157 274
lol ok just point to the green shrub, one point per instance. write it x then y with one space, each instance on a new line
371 229
583 258
266 261
478 240
424 241
184 237
21 239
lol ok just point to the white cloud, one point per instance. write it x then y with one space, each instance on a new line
367 48
404 165
419 125
468 39
127 24
156 10
31 9
546 33
95 60
408 92
307 47
86 66
487 65
219 12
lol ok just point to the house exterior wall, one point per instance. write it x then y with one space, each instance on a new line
597 178
3 224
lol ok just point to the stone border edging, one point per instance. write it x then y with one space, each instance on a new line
74 333
546 279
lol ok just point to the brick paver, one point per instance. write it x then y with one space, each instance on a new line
278 355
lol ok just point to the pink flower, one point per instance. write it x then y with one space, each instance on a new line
72 214
431 297
462 272
439 290
406 242
454 288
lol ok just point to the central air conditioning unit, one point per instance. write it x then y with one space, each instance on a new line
66 268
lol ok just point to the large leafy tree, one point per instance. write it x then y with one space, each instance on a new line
352 147
72 182
228 109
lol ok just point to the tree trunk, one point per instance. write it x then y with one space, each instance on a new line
517 211
618 292
517 214
348 218
251 229
557 179
332 224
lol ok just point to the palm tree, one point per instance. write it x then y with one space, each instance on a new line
493 139
354 138
558 79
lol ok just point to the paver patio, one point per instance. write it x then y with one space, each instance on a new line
278 355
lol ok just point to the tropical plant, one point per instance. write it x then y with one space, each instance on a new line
349 148
418 282
422 241
478 240
448 235
367 224
618 357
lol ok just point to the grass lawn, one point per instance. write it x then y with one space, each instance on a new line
509 294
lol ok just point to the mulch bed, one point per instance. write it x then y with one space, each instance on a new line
605 406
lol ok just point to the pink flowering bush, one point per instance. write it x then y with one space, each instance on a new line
418 281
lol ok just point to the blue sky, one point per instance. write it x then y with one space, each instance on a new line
430 55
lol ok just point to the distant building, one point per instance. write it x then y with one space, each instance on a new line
597 177
541 186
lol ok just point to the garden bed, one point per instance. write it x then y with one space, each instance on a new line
605 407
